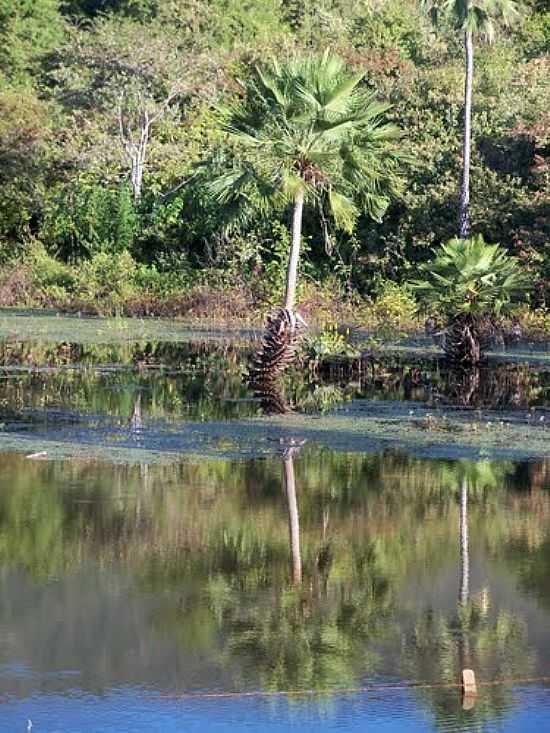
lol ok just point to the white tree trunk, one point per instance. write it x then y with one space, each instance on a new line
464 211
292 269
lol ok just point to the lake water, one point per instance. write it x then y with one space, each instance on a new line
309 589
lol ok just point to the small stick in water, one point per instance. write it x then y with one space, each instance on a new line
469 689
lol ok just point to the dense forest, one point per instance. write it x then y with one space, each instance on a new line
114 138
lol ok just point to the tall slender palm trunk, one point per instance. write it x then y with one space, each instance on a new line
464 210
294 255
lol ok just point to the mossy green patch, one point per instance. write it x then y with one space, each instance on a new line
366 427
39 325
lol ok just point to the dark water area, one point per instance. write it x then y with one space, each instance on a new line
310 589
55 383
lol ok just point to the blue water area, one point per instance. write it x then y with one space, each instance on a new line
385 712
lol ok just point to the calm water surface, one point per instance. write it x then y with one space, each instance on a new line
130 594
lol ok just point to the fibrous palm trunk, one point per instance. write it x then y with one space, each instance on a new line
282 330
464 211
462 342
467 337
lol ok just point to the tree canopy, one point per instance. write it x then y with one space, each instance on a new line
70 70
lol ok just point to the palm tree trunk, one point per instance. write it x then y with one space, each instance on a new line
464 211
293 518
282 330
292 269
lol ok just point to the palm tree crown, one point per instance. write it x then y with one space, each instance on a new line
308 125
471 277
479 17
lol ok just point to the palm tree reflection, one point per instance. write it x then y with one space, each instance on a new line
293 516
464 585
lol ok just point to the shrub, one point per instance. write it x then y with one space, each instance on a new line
48 272
394 310
107 280
331 341
87 217
17 287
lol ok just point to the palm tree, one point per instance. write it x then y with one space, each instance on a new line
305 132
473 18
471 284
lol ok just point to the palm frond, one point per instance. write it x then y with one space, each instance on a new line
343 210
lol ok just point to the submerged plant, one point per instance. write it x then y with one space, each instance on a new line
470 284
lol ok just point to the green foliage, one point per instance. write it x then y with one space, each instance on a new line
321 398
90 218
48 273
28 28
471 277
141 9
107 278
390 27
535 34
394 310
24 135
331 341
64 65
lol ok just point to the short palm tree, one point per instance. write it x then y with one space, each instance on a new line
472 18
470 284
306 132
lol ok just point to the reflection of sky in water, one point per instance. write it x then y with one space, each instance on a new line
137 711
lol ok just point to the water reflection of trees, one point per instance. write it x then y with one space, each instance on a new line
205 381
471 635
217 533
173 380
498 387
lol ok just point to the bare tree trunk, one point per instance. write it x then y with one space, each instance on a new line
292 269
464 211
293 518
135 148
